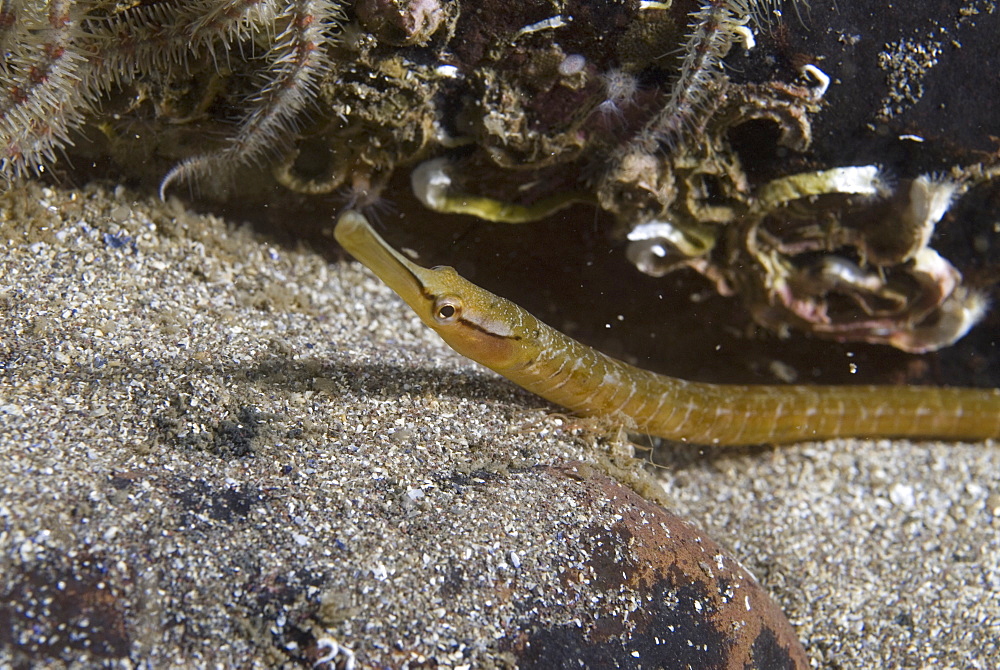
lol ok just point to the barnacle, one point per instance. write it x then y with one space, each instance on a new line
354 144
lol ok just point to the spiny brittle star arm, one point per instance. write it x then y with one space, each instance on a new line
507 339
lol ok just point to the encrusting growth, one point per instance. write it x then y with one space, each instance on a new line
505 338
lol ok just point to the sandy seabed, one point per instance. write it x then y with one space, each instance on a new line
219 451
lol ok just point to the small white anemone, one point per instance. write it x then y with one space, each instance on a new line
620 88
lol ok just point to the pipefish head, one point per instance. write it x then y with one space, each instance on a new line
474 322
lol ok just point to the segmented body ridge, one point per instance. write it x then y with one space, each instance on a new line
581 378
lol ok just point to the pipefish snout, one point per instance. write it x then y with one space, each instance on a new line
507 339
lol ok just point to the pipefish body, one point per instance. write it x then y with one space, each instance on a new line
507 339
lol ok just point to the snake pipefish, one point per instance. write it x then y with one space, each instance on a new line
507 339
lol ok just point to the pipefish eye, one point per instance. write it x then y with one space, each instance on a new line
447 310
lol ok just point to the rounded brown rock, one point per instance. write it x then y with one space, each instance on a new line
694 605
